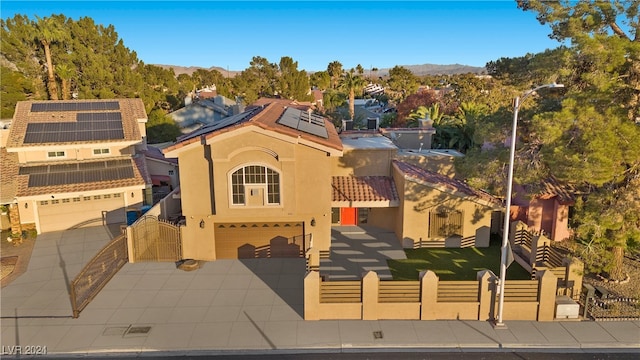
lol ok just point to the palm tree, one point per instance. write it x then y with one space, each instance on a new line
334 69
48 31
349 83
65 73
422 112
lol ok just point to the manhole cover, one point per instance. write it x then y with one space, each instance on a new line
377 334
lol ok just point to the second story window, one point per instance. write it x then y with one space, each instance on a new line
255 185
56 154
101 151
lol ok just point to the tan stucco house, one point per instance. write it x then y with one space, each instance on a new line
72 163
380 182
276 178
257 183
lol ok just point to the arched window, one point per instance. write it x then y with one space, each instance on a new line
255 185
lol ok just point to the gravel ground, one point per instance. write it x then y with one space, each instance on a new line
630 289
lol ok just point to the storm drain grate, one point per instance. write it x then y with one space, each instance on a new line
138 330
377 335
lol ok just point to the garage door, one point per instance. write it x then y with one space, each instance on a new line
62 214
251 240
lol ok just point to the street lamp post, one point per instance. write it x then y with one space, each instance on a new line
505 236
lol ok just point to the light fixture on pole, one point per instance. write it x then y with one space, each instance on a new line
505 235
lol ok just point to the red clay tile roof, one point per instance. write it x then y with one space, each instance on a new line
266 118
363 188
8 174
131 111
414 173
551 187
140 177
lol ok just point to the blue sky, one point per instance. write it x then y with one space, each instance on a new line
371 33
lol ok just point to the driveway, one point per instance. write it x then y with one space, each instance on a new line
205 308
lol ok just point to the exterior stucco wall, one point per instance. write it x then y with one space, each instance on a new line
363 162
75 152
420 200
305 188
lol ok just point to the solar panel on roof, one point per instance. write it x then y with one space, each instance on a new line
76 173
303 121
75 106
89 126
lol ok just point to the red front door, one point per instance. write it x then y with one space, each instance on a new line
348 216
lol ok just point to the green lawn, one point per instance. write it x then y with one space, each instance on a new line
453 263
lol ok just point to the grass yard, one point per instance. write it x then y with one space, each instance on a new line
453 263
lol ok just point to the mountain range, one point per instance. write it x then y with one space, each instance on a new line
418 70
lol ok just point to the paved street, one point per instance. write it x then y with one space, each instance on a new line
233 306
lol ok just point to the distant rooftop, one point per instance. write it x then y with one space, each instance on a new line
352 141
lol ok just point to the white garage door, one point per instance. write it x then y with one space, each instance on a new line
62 214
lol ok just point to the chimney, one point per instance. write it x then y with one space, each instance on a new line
426 123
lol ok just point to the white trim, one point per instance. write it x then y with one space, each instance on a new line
101 154
55 154
263 185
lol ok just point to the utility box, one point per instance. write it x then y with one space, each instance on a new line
566 308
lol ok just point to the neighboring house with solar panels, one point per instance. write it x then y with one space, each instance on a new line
71 163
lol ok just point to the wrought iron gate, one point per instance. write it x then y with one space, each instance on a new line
97 273
155 240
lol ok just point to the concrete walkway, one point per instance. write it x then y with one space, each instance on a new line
237 307
355 250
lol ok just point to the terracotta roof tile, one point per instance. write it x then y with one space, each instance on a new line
8 175
551 187
418 174
363 188
265 117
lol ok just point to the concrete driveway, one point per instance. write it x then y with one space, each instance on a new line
222 301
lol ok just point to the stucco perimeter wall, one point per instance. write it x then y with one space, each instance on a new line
430 305
384 218
363 162
420 200
305 188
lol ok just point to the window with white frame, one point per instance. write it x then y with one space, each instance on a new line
56 154
252 178
104 151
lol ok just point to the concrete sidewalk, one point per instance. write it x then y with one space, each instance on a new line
233 306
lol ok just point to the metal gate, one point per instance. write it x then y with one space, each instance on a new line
97 273
155 240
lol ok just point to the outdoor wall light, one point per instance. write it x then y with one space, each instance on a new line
202 224
132 194
26 205
313 221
